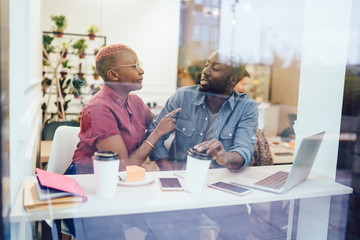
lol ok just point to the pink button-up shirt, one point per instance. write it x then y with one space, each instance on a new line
107 114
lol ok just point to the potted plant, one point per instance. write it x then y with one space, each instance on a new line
65 68
95 73
61 104
64 48
92 30
77 83
80 47
67 86
80 74
60 24
45 84
47 47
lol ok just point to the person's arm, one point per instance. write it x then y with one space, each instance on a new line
231 160
240 154
149 118
161 152
117 144
245 134
164 164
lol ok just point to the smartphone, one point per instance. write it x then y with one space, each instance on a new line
284 154
230 188
170 184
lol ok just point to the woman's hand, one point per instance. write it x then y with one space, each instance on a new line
167 123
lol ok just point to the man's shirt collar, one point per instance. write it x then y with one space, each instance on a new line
200 99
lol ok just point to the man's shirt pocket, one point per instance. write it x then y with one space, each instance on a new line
185 127
226 138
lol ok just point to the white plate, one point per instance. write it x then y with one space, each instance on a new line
148 179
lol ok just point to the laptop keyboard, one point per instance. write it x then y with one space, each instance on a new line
275 181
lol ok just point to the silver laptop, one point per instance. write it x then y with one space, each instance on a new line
282 181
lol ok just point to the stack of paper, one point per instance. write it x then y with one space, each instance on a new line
52 190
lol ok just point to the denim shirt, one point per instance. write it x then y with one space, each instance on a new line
235 125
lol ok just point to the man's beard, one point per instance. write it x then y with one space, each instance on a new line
212 91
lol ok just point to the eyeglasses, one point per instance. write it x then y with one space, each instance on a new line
138 65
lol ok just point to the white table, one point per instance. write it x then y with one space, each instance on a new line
282 159
277 146
314 194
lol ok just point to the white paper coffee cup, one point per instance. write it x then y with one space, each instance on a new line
197 167
106 168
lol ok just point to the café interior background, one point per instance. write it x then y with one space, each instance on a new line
173 39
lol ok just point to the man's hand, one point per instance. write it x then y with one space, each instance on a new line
215 148
231 160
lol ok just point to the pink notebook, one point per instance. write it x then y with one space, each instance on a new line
59 182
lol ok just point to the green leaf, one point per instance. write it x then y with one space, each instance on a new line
60 23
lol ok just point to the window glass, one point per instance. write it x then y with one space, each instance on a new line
267 37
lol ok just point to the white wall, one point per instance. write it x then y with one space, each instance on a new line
150 27
25 96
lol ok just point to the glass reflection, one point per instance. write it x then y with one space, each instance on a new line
254 31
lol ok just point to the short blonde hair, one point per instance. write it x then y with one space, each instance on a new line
107 56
